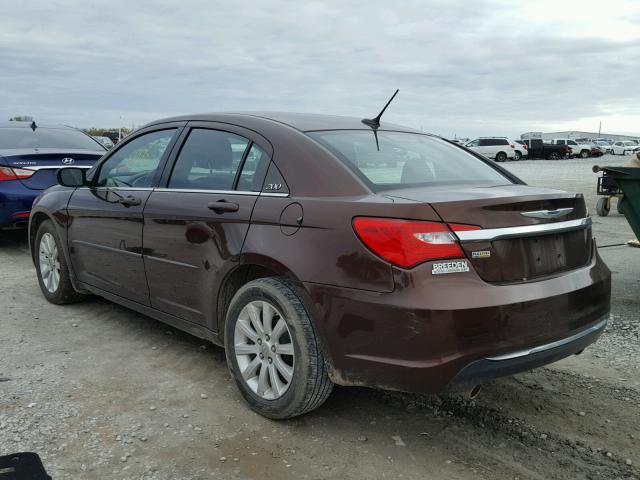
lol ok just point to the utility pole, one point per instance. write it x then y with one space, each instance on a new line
599 129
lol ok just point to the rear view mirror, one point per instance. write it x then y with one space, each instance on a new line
72 177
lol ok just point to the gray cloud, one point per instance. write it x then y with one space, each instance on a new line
465 68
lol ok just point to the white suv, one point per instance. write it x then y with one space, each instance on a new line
498 148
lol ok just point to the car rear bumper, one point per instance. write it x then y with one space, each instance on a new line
435 331
522 360
16 201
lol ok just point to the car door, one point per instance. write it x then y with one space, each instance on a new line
474 145
105 218
195 225
616 148
487 148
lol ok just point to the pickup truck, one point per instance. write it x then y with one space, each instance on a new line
581 150
538 149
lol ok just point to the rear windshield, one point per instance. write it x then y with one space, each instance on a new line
407 159
46 138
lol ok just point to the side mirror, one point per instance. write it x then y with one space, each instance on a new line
72 177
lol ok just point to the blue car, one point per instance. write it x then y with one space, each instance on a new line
30 156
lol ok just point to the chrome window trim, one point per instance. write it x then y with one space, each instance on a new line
522 353
215 192
222 192
273 194
188 190
124 189
491 234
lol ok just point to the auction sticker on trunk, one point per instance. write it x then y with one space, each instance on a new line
459 266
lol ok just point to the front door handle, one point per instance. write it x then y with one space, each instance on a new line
129 201
222 206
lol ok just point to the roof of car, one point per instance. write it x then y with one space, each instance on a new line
301 121
27 124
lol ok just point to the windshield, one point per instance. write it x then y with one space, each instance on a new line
42 137
407 159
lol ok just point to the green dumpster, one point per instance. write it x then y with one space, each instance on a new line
627 180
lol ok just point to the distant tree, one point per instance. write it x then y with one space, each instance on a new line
21 118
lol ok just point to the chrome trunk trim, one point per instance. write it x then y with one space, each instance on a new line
491 234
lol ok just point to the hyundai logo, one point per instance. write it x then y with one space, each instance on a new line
68 161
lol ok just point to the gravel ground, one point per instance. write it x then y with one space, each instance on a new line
102 392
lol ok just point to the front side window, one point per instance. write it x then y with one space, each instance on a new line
136 163
473 143
209 160
407 159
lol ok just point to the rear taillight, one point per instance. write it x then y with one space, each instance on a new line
8 173
512 146
526 147
406 243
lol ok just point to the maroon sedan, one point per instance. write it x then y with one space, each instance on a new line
321 250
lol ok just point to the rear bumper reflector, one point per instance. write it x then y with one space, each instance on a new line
491 234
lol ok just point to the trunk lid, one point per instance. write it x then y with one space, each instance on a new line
46 163
521 254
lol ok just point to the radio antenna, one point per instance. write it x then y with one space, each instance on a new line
375 122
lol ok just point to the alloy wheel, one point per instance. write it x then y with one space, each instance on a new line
49 262
264 350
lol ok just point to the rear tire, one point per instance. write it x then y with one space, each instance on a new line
52 268
254 343
553 156
518 156
602 206
585 154
501 157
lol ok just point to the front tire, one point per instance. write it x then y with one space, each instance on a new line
273 350
553 156
585 154
52 268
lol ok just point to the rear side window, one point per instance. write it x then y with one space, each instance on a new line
209 160
254 169
407 159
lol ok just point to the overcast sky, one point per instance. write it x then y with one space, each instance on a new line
468 68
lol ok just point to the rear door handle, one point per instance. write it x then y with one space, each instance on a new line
130 201
222 206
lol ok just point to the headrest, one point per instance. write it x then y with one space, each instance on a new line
211 150
416 170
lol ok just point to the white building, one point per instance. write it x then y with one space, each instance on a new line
577 135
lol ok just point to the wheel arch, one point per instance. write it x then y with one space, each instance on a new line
35 221
252 267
